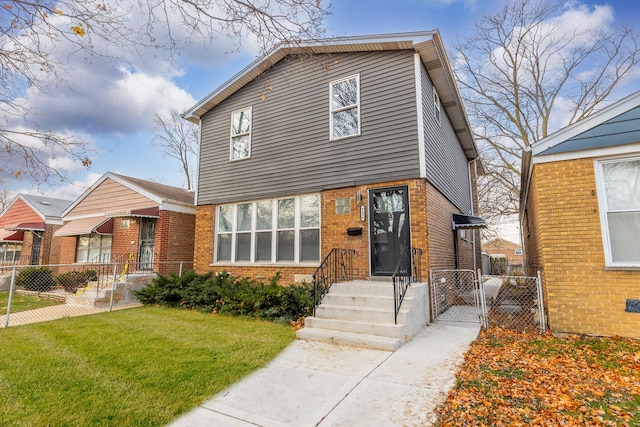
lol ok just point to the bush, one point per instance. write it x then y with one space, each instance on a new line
39 279
225 294
73 280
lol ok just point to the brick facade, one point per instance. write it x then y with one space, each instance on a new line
423 199
563 234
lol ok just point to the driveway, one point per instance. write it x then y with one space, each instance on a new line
321 384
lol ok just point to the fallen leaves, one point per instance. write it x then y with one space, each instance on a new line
511 378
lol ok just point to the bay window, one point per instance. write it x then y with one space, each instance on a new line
619 197
278 230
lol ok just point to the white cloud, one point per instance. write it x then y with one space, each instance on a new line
69 191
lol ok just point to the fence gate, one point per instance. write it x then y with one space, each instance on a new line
456 296
508 302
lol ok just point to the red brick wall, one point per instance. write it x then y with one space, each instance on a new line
333 231
441 249
50 251
125 241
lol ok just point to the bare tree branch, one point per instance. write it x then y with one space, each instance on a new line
523 73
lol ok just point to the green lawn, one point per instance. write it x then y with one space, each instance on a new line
136 367
23 302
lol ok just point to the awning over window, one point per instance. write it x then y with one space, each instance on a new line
11 235
27 226
152 212
98 224
467 221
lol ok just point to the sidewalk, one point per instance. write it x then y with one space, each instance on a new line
56 312
319 384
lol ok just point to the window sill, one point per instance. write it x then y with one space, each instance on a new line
314 264
621 268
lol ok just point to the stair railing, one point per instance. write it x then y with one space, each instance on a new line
336 267
408 270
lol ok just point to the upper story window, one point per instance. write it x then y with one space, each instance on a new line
619 197
437 106
345 107
241 134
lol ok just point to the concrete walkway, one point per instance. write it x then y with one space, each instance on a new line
319 384
56 312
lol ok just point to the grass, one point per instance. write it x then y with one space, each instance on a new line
23 302
136 367
518 379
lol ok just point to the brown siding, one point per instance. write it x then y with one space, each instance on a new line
110 196
19 212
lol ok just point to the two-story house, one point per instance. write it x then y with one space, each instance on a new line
358 142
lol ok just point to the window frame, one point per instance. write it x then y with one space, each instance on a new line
275 228
333 111
233 135
604 211
89 247
437 106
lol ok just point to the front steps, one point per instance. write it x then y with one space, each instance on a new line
361 313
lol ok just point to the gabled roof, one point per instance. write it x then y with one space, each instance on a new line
613 130
618 124
47 206
427 44
161 194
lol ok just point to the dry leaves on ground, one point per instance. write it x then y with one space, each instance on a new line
512 378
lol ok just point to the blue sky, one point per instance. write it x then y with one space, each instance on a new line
114 107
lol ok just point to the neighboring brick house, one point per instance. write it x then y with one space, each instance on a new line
121 218
580 217
505 256
27 226
357 142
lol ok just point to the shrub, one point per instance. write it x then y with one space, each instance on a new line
225 294
73 280
39 279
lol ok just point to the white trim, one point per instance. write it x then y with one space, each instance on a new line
420 115
618 150
622 106
437 107
603 208
348 107
194 182
174 207
239 135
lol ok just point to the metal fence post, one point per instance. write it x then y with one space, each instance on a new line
11 289
543 319
483 301
113 288
180 271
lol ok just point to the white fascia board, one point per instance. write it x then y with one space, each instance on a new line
135 188
420 115
174 207
589 122
617 150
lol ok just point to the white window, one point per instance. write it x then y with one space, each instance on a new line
10 252
241 134
345 107
278 230
619 198
437 106
93 248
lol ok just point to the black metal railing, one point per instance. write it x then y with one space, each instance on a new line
408 270
336 267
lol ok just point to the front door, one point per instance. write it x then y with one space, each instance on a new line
35 248
147 243
389 228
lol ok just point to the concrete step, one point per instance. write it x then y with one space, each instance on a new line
363 287
359 300
388 329
357 313
349 338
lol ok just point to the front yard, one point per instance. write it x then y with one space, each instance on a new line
139 367
23 302
515 379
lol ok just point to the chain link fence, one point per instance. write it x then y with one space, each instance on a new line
509 302
31 294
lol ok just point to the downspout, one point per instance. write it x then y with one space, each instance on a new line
473 235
